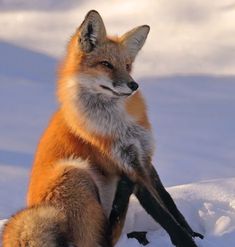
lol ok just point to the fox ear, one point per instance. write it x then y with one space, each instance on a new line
135 39
92 31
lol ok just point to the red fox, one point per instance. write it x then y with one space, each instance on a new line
95 152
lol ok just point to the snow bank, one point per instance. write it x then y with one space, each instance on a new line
208 206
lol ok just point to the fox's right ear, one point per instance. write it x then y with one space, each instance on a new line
134 39
91 32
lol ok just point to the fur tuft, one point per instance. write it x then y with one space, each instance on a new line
40 226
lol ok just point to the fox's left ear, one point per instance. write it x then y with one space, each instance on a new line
92 31
135 39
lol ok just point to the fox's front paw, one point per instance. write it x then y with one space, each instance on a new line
197 235
183 239
140 236
187 244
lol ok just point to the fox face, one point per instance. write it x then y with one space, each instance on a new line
103 64
106 71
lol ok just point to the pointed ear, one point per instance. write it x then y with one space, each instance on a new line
92 31
135 39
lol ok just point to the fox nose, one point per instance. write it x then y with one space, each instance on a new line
133 85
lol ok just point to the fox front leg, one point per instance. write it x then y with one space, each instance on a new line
155 208
125 188
117 216
169 203
179 236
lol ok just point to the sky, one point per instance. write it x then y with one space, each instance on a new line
187 36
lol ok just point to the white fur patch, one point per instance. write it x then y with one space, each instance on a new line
75 162
96 83
91 82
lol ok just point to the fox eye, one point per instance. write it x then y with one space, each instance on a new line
128 67
107 64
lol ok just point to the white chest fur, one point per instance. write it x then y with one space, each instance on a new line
107 117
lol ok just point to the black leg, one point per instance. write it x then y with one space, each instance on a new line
170 205
140 236
117 216
179 236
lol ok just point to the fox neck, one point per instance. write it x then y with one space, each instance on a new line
103 115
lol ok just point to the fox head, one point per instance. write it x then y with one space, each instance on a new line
101 64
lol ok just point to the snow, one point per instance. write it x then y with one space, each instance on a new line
207 205
186 72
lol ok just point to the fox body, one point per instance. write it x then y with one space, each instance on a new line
100 126
99 134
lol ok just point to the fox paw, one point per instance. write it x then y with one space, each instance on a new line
197 235
140 236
